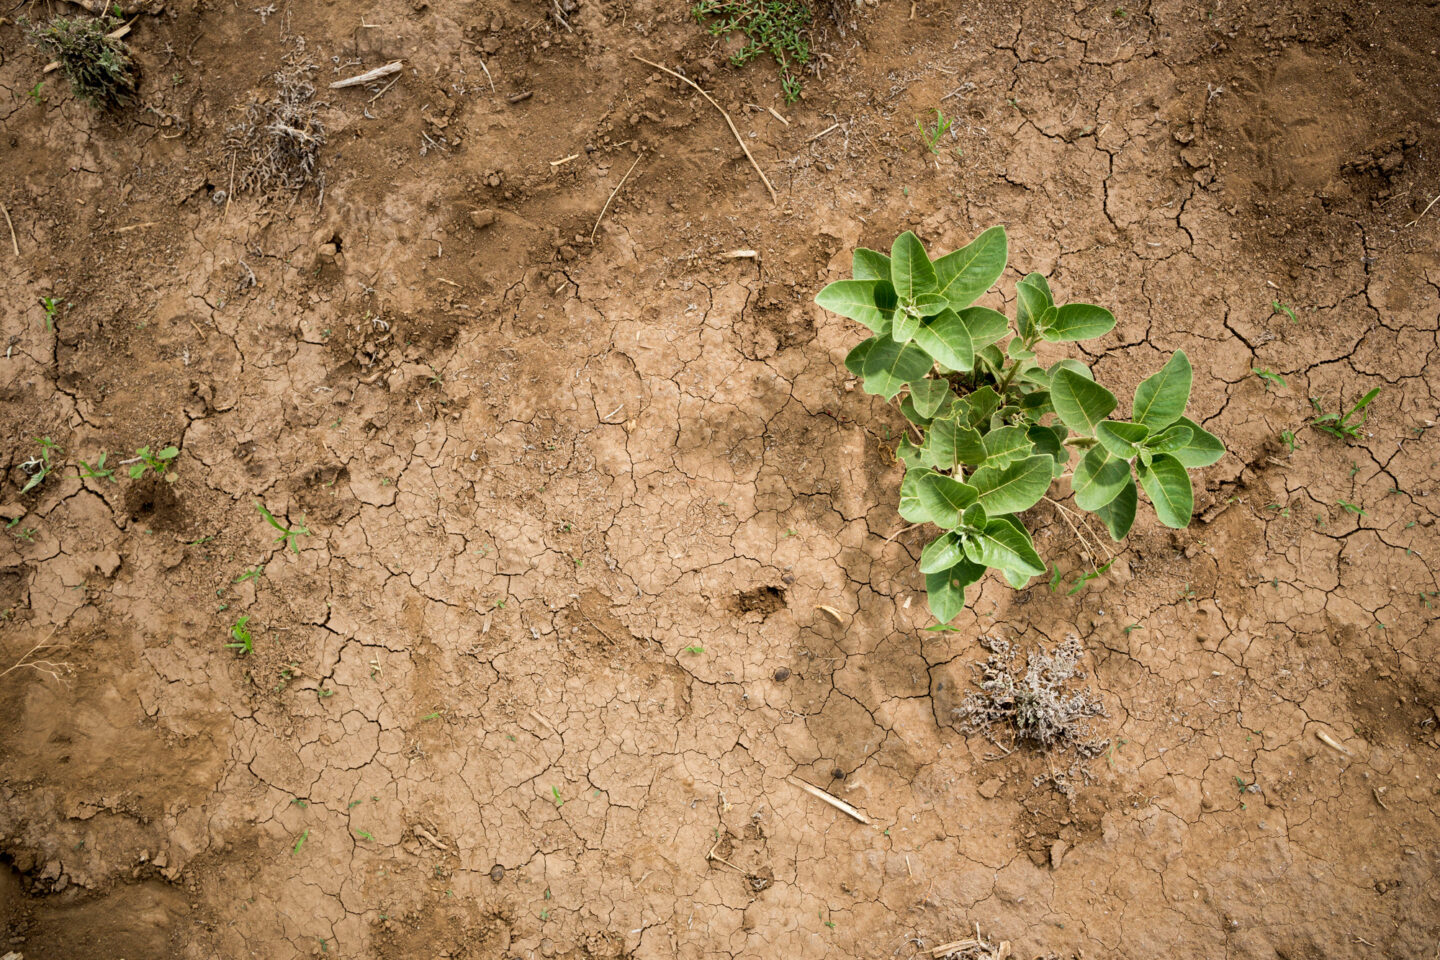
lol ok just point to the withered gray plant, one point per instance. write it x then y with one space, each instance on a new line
277 145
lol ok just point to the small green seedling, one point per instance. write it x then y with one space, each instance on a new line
695 649
556 792
241 634
1287 437
40 465
300 843
931 134
993 428
35 94
99 471
158 462
1340 426
1352 508
51 305
1270 377
252 574
1277 307
287 534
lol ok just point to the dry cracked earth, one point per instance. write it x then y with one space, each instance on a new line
541 678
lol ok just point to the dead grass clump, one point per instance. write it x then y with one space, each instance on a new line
1041 706
98 66
277 145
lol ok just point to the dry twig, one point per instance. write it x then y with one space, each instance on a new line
611 197
835 802
13 242
730 123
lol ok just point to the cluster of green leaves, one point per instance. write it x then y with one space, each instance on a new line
159 461
240 633
993 427
1342 424
98 67
40 465
777 27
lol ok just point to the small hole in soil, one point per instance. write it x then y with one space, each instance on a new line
761 600
153 502
339 244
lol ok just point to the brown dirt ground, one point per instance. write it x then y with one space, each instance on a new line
538 471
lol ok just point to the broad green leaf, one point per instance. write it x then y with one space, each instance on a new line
945 592
1160 399
974 518
1036 374
1017 580
944 498
1006 546
1004 416
1038 280
990 358
941 554
1045 319
911 509
869 265
907 407
1176 437
1051 442
890 365
910 455
928 395
1119 514
1007 444
1078 321
1015 350
1013 488
855 359
982 403
965 274
911 271
1204 448
950 442
1168 486
1098 479
1074 366
1032 299
985 325
930 304
1036 403
1120 437
946 338
857 299
1080 403
904 325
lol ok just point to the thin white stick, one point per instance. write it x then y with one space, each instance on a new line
730 123
840 805
364 78
609 198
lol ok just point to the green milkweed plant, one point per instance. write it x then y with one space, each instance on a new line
993 427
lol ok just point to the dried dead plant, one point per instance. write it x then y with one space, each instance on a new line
41 658
277 145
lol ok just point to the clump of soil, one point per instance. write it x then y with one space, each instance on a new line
1041 706
277 145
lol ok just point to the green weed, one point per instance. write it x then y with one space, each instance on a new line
39 466
931 134
240 632
99 68
51 306
99 471
1342 426
1277 307
777 27
1269 376
287 534
159 462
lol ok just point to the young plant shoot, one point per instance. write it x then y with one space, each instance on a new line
995 428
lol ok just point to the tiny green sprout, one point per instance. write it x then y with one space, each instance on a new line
1079 583
556 792
159 461
298 802
240 631
931 134
1277 307
1132 628
1351 507
52 309
288 535
1287 437
1270 377
252 574
1341 426
431 716
40 465
696 648
300 843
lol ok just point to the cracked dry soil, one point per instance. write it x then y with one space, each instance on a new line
534 685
